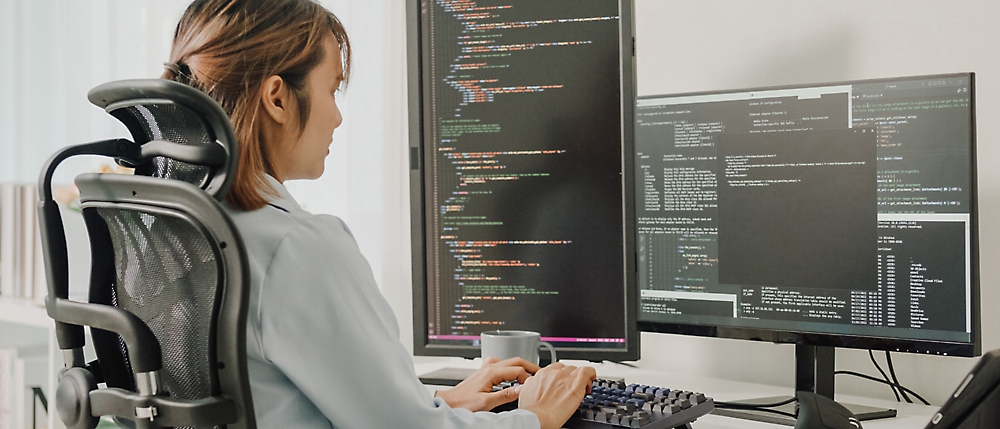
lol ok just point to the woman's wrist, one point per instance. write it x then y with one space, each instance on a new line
444 397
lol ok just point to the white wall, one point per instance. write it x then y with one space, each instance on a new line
52 52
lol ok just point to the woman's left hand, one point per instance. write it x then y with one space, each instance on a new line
476 392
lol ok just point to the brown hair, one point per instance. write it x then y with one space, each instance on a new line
227 48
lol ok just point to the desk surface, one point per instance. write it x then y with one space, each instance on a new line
910 416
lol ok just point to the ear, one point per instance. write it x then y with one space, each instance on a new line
275 97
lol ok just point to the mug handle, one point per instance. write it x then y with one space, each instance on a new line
552 350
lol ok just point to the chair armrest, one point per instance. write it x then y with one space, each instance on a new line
143 348
54 236
168 412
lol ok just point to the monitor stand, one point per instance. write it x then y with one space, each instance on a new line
813 373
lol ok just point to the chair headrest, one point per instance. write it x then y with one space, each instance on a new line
160 109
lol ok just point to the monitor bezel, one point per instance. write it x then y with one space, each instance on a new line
417 83
780 336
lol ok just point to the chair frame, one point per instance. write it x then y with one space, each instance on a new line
148 407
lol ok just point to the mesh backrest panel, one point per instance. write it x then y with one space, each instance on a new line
179 125
167 275
121 341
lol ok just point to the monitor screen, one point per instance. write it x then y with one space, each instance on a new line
836 214
520 181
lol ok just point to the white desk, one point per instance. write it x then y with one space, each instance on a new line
910 416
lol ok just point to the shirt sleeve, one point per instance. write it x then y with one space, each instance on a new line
321 326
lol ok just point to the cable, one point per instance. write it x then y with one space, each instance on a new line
892 372
868 377
886 377
744 405
623 364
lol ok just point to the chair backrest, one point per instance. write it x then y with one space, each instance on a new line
167 263
167 253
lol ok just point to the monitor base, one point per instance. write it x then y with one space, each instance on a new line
862 412
446 376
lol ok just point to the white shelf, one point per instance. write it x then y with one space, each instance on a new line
24 324
25 312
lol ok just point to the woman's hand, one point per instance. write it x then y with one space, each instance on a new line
476 392
555 392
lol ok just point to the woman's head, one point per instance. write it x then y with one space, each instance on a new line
273 65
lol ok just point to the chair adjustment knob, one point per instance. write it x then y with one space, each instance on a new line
73 399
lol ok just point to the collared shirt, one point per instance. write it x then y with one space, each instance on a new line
322 342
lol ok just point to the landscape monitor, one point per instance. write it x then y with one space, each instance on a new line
832 215
521 116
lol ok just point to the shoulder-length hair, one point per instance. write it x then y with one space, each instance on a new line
227 48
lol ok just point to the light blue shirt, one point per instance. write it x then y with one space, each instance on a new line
322 342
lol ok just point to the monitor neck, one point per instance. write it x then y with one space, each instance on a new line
814 369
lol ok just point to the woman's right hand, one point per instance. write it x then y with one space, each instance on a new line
555 392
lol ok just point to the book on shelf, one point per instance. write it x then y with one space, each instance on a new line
27 222
12 398
41 285
22 270
8 242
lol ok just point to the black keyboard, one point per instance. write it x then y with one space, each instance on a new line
612 403
616 404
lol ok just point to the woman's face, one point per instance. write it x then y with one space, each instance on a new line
305 158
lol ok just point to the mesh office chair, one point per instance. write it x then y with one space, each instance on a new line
169 277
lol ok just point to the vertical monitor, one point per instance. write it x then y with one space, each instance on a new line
839 214
521 150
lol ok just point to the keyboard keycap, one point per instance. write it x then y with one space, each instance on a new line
644 396
683 403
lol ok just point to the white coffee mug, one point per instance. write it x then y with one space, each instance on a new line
507 344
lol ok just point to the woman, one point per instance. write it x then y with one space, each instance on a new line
322 343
